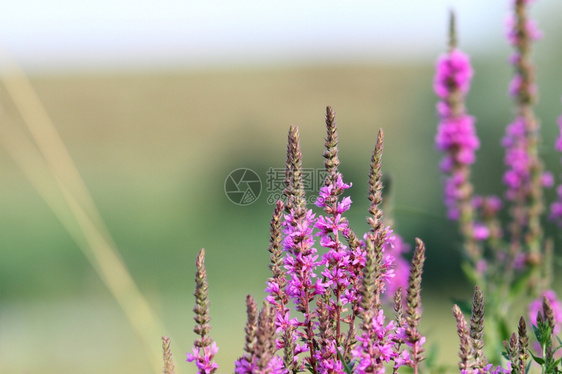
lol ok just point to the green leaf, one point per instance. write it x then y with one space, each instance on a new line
538 360
536 331
528 367
346 366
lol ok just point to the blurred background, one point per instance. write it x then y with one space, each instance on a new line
158 102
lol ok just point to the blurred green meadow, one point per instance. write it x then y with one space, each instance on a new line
155 148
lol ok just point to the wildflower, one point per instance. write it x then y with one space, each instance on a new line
558 145
517 159
375 346
203 358
169 366
330 190
394 248
514 34
354 278
537 305
556 206
498 369
547 179
456 135
260 344
453 72
481 232
205 348
524 176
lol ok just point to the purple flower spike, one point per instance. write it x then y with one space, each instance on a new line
495 370
301 260
395 247
456 135
558 145
513 35
453 71
204 360
481 232
536 306
333 190
517 158
556 207
375 346
524 175
547 179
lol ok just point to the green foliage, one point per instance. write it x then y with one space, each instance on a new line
543 333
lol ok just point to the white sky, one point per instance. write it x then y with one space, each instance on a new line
63 34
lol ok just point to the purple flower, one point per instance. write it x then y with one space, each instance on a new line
344 205
334 190
513 35
395 247
487 206
517 158
453 72
204 360
453 193
558 145
516 85
547 179
481 266
301 259
375 346
402 360
327 225
480 231
456 135
327 363
337 260
498 369
536 306
556 207
520 261
246 365
389 266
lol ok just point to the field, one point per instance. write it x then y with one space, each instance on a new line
154 150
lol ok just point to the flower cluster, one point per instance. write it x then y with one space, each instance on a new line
536 306
456 135
337 294
504 262
556 206
524 176
375 346
324 306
